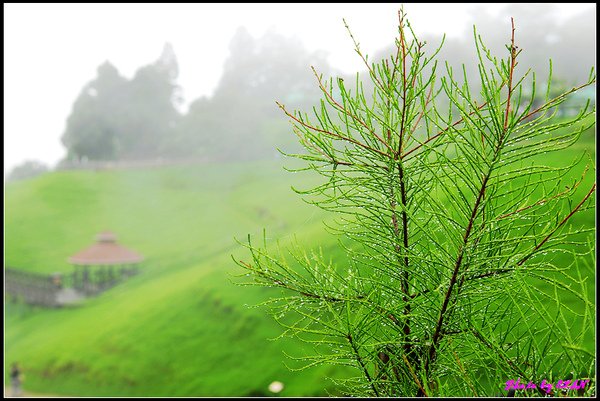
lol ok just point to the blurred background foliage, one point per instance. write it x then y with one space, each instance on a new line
181 328
119 119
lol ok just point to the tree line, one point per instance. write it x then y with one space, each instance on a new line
118 119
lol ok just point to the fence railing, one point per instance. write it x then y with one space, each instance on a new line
58 289
32 288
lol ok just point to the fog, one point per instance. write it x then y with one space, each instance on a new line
121 275
197 80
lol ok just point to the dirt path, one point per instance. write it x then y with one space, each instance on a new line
25 393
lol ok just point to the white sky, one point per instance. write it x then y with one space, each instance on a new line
52 50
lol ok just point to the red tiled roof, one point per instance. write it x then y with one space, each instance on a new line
105 252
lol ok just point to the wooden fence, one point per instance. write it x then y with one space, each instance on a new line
53 290
32 288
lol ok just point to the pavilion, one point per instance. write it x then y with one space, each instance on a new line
103 264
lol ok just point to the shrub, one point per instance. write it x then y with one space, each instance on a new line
456 230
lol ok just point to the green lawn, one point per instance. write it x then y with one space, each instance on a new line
180 328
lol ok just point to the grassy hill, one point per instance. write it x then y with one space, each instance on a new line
180 328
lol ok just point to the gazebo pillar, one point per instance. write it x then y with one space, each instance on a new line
85 279
111 279
78 279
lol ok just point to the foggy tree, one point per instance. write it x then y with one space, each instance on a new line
149 116
567 44
240 119
92 127
273 65
543 38
577 37
27 169
196 134
114 118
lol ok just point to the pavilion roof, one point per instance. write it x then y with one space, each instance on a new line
105 251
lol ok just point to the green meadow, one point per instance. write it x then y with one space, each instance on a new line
181 327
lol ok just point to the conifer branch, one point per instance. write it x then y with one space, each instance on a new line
438 226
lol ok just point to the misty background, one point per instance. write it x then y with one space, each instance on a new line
98 95
146 117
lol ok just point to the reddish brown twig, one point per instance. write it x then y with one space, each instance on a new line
513 62
414 376
551 101
345 110
331 134
460 120
545 200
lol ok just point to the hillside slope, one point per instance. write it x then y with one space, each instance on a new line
180 328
